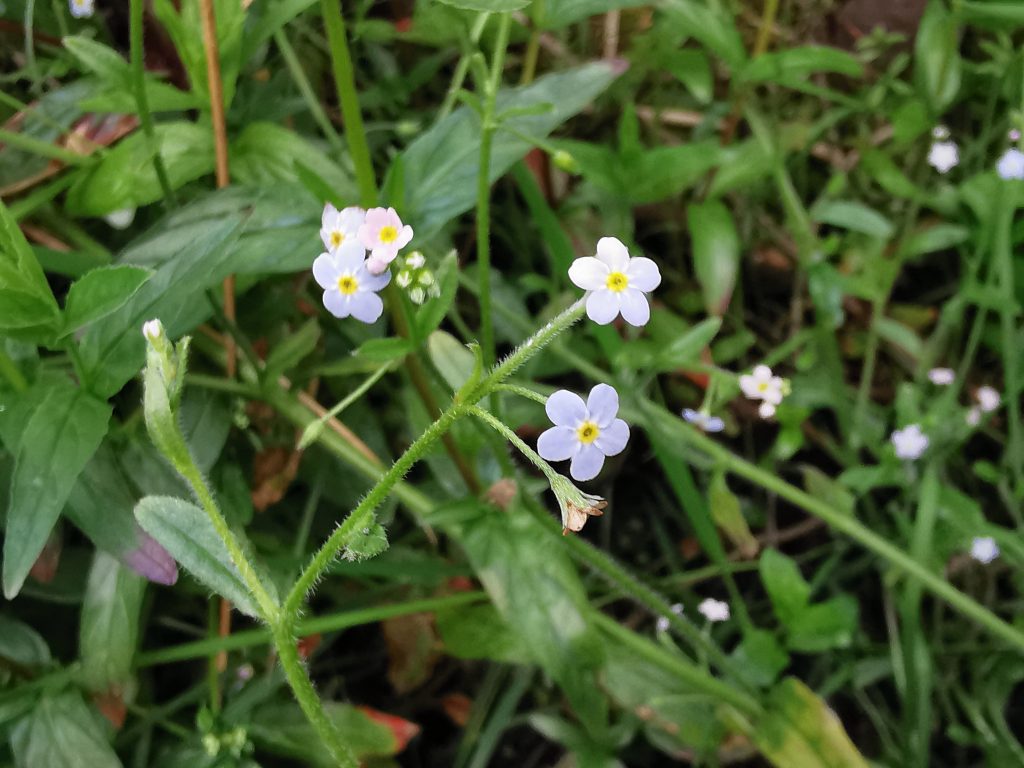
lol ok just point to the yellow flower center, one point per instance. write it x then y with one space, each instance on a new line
762 386
587 432
617 281
347 284
388 234
337 238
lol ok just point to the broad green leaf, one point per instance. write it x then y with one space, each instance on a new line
384 350
264 19
109 627
453 360
21 644
786 586
854 216
760 658
996 14
439 168
125 176
100 292
62 732
937 64
28 307
939 237
796 64
799 730
292 350
673 355
900 336
714 29
489 6
716 253
740 166
185 531
692 68
478 632
823 626
58 441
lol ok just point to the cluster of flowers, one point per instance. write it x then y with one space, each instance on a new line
351 278
944 155
760 384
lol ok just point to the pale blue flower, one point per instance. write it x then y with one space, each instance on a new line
81 9
1011 165
349 287
703 421
617 283
584 432
984 549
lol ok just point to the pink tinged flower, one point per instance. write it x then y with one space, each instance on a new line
988 399
984 549
714 610
617 283
1011 165
338 226
941 377
81 9
349 287
584 432
1014 135
910 442
151 560
703 421
383 234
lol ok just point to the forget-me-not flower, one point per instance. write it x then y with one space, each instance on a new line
584 432
349 287
384 236
338 226
617 283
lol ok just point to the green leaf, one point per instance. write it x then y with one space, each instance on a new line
369 542
726 512
693 69
823 626
292 350
796 64
439 168
264 19
760 658
557 14
453 360
714 29
430 316
716 253
109 627
185 531
937 64
29 309
674 355
62 732
21 644
384 350
992 13
489 6
824 488
479 632
58 441
939 237
853 216
786 586
100 292
126 178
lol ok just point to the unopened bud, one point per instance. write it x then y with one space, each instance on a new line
566 162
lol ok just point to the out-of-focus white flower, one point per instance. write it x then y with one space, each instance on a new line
121 219
909 442
703 421
584 432
662 624
152 329
349 287
1011 165
942 377
944 156
973 417
338 226
988 399
761 384
984 549
384 236
766 410
714 610
81 9
617 283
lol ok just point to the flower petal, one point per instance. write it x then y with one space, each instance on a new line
404 236
643 274
612 252
634 307
329 216
377 266
326 271
587 462
602 306
373 281
366 306
565 409
351 218
557 443
589 273
336 303
613 438
603 404
350 256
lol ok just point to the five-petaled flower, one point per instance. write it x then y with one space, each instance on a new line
81 9
909 442
338 226
384 235
617 283
703 421
584 432
944 154
984 549
988 399
714 610
349 287
941 377
1011 165
762 385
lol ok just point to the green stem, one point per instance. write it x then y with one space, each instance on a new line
503 429
344 82
309 434
462 68
142 101
483 189
1003 257
43 148
11 372
302 83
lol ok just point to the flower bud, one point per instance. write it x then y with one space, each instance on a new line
566 162
576 506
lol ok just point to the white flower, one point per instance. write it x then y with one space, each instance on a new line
81 9
662 624
584 432
988 399
349 287
940 133
973 417
1011 165
121 219
944 156
762 385
384 235
338 226
152 329
703 421
1014 135
984 549
616 283
714 610
909 442
941 377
